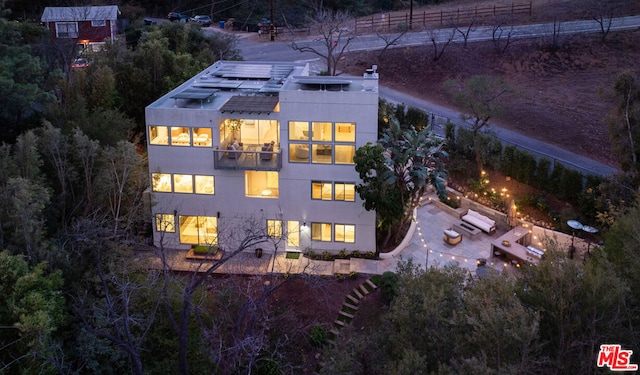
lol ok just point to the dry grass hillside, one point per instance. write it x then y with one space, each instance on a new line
562 96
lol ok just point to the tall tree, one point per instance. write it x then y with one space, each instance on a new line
397 172
480 97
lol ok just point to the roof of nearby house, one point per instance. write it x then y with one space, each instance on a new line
87 13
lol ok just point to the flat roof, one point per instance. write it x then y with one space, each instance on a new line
250 104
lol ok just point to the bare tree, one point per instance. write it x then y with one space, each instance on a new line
333 36
603 12
466 29
501 34
440 40
389 40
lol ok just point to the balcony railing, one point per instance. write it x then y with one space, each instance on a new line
253 159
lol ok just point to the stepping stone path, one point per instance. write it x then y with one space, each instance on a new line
350 307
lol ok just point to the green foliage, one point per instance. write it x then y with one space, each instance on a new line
317 336
624 124
388 286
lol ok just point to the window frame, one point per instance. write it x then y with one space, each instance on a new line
169 221
322 228
344 232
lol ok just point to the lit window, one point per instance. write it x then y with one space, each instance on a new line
293 233
180 136
183 183
321 232
345 192
321 153
344 154
299 152
202 137
161 182
345 132
274 228
259 184
321 190
165 223
345 233
198 230
322 131
204 185
298 130
158 135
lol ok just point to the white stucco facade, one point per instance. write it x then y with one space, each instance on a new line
263 141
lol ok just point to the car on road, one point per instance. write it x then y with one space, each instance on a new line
176 16
204 21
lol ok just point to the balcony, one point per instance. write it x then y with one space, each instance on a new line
250 158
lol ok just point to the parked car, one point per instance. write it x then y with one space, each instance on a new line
205 21
176 16
80 62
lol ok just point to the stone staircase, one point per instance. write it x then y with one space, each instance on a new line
350 307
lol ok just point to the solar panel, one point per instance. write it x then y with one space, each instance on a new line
250 104
194 94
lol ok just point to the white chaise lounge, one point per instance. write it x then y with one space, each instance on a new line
480 221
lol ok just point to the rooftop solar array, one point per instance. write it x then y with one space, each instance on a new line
250 104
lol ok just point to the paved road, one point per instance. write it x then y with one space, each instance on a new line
282 51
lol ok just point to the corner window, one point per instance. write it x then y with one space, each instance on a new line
161 182
345 132
158 135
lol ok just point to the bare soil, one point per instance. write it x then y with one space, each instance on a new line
561 97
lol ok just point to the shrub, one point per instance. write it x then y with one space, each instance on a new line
388 285
205 249
317 336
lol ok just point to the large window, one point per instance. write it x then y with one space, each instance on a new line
66 29
259 184
274 228
165 223
202 137
321 232
249 131
182 183
322 142
180 136
345 233
198 230
293 233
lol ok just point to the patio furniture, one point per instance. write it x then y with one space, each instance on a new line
452 237
480 221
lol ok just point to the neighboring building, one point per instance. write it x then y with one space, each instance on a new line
267 141
89 26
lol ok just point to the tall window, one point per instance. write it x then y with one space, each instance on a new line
293 233
259 184
321 232
274 228
198 230
345 233
165 223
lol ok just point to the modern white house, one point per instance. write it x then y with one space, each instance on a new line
267 141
